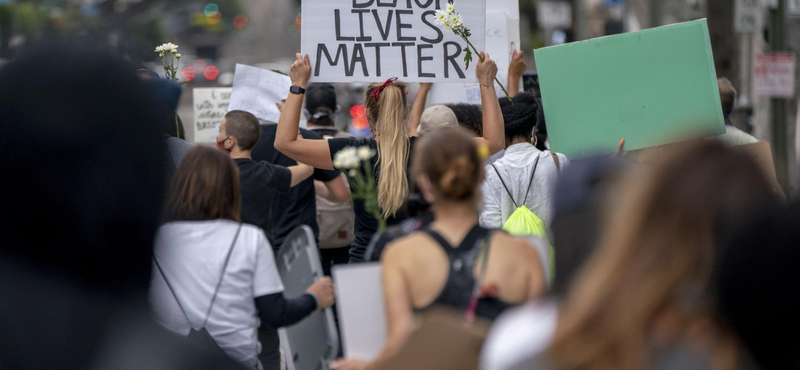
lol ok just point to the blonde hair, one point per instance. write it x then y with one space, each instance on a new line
656 258
387 116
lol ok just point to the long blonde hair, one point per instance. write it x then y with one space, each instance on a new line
387 116
656 258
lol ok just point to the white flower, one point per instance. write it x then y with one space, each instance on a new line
456 21
346 158
353 173
441 17
174 51
450 8
167 48
161 54
365 153
178 56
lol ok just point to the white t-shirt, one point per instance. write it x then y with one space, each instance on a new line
192 255
519 334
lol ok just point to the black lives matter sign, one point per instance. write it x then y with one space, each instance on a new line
372 40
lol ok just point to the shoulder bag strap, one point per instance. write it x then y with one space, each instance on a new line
222 275
533 173
558 162
172 291
506 187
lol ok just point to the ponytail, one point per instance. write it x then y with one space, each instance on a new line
387 117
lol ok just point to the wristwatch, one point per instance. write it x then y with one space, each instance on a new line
297 90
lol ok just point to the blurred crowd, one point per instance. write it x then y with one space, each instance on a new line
156 253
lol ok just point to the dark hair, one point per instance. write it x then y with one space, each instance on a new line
244 127
520 116
727 96
756 279
88 160
455 169
321 104
206 187
469 116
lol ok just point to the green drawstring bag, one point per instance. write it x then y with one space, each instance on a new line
524 222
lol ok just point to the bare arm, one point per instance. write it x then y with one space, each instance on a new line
300 173
315 153
516 69
493 124
335 190
415 116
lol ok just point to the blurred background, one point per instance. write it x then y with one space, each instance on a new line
214 36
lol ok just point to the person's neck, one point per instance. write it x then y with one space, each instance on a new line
240 154
517 140
455 218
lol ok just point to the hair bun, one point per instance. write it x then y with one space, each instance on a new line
457 181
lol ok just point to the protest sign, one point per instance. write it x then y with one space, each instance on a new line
372 40
256 90
773 75
650 87
210 106
502 38
362 316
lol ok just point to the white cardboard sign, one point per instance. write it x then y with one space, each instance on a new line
747 16
210 106
257 90
773 75
502 38
372 40
362 316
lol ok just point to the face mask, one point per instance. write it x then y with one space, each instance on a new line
221 144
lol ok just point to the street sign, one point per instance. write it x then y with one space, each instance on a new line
773 75
554 14
747 16
793 7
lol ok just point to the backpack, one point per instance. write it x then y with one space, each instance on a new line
336 221
523 221
201 338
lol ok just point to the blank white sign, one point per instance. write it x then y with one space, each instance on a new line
362 316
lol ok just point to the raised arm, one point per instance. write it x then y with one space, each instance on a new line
315 153
300 173
493 125
516 69
419 106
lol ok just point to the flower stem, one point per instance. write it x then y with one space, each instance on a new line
481 58
177 127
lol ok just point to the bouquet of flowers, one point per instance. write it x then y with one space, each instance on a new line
454 22
170 59
355 164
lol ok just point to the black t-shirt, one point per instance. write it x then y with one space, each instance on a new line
366 225
259 181
298 206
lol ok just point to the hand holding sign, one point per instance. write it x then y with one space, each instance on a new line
300 72
486 71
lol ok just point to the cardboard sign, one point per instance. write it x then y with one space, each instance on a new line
362 316
502 38
372 40
210 106
773 75
257 90
650 87
747 16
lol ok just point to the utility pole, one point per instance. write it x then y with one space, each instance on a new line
778 129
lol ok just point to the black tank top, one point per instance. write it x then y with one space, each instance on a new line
457 291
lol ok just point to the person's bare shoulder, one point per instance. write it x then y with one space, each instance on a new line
403 248
515 246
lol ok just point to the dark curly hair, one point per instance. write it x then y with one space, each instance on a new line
520 116
469 116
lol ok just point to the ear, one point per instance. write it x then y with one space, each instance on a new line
426 188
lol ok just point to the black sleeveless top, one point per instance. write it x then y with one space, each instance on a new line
458 289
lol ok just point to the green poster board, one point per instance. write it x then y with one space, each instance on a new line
650 87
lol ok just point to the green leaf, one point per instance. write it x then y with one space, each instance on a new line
467 33
468 57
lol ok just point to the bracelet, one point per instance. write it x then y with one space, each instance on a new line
316 300
487 86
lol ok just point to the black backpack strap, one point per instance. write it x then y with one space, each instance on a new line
533 173
222 275
172 291
505 186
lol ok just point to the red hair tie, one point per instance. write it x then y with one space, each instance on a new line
377 92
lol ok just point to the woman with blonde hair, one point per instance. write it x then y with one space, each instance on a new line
454 262
386 109
644 300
